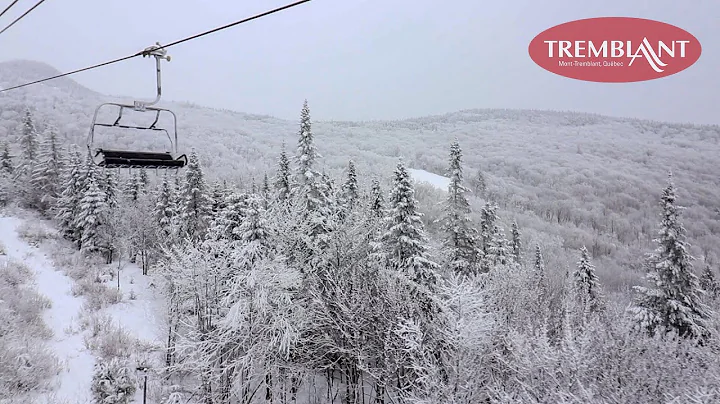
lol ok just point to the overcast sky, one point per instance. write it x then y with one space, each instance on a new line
361 59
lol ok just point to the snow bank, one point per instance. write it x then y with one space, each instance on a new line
437 181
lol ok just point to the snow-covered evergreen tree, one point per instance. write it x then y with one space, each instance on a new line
516 244
307 154
46 172
165 207
282 177
142 178
29 143
311 188
350 190
488 216
460 237
377 200
109 186
403 244
586 284
67 206
498 250
113 382
195 213
29 196
133 186
709 283
6 163
226 224
539 265
91 214
673 302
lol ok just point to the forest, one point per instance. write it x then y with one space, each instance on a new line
307 285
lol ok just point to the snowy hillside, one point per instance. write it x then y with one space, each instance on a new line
478 257
585 178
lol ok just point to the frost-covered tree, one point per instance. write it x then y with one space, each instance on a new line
403 244
67 207
45 178
195 212
142 178
91 213
28 195
28 139
282 177
312 189
226 225
709 283
219 193
113 382
488 216
479 182
307 154
6 163
587 285
539 265
498 251
673 301
350 190
516 244
460 236
165 209
109 186
133 186
376 204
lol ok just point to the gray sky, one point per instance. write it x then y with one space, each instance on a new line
361 59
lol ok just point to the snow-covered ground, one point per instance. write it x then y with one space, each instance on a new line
74 380
139 314
437 181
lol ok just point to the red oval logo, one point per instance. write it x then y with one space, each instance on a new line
615 49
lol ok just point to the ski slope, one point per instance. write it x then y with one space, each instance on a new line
139 313
437 181
73 382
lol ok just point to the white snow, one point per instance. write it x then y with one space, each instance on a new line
142 315
437 181
74 380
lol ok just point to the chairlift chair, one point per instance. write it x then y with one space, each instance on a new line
107 158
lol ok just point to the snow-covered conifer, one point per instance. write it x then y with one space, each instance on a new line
377 201
282 177
539 265
709 283
29 144
460 236
164 210
113 382
403 244
516 244
586 284
351 193
6 163
196 202
673 301
45 178
91 214
67 206
488 216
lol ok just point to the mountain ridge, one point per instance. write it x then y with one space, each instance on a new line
38 70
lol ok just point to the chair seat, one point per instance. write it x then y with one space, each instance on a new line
133 159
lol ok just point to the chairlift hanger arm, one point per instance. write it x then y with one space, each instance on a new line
159 53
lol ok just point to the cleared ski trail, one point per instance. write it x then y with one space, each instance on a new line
75 378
